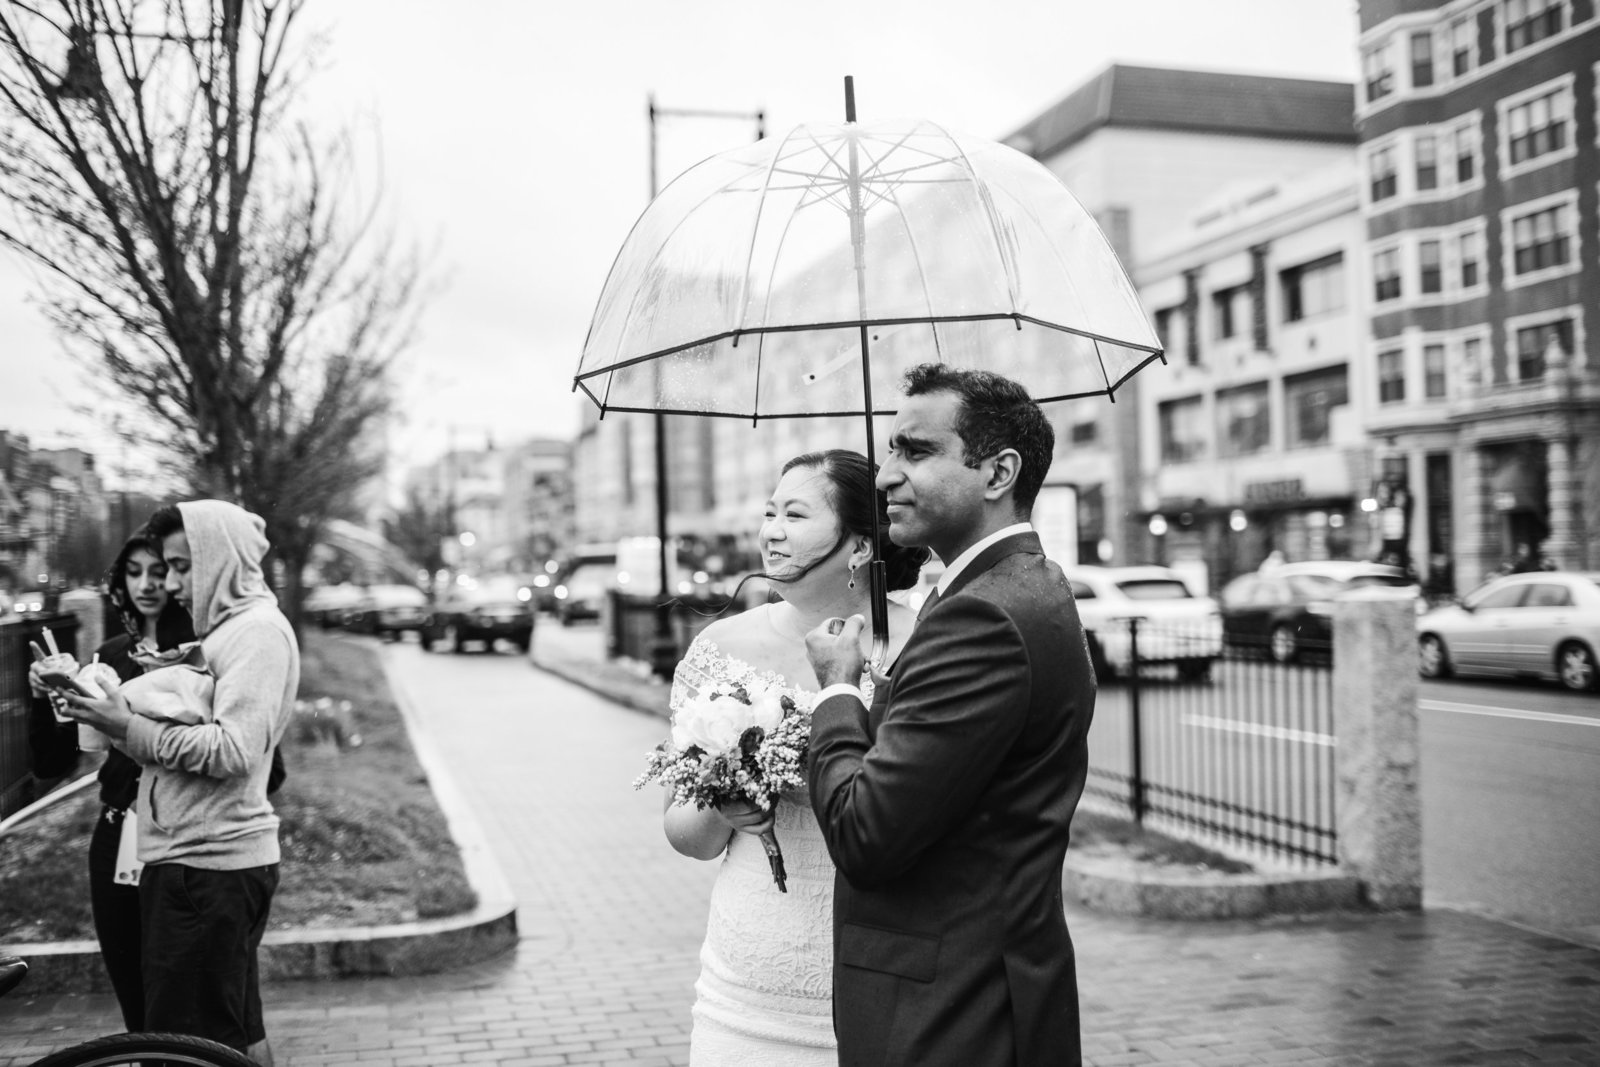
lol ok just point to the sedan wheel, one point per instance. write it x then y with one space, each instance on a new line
1432 660
1284 644
1575 663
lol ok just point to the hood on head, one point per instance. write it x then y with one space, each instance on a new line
227 544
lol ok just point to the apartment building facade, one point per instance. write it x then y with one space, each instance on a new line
1480 174
1251 441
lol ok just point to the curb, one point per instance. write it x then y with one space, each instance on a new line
610 679
421 947
1118 886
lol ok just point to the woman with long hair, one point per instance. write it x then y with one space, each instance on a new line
764 995
151 620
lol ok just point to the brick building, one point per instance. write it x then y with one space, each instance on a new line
1478 148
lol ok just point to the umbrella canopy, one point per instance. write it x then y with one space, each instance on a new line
802 275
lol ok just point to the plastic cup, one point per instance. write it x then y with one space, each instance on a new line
91 740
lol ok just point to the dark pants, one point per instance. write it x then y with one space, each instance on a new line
116 918
201 932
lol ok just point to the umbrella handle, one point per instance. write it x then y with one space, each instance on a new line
878 577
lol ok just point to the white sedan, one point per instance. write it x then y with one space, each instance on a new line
1175 626
1544 624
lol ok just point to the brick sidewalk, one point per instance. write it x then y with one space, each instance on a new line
611 920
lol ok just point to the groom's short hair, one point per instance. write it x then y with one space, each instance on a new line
996 413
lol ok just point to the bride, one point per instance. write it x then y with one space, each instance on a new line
765 993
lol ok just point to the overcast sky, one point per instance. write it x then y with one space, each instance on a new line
515 148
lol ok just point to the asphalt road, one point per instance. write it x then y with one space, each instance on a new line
1511 803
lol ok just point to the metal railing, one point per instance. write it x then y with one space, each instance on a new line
16 778
1217 741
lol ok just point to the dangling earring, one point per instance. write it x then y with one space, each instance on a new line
853 567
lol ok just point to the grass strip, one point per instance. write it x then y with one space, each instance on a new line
363 840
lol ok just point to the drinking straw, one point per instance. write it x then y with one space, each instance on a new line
50 641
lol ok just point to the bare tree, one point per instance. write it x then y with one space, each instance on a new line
210 258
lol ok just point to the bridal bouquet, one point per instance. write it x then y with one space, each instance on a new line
734 743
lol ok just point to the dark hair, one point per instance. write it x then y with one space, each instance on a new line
853 494
995 414
166 521
173 625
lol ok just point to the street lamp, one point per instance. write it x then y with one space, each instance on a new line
663 654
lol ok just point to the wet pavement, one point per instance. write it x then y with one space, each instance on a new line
611 920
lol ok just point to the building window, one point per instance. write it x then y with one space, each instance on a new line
1464 140
1421 60
1391 377
1309 400
1244 420
1314 288
1433 372
1542 239
1469 253
1432 274
1539 126
1163 324
1534 341
1386 275
1379 74
1427 163
1085 423
1182 431
1384 183
1472 359
1530 21
1225 312
1463 42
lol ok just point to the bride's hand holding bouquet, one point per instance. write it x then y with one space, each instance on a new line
735 749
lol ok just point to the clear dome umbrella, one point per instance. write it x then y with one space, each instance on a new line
799 277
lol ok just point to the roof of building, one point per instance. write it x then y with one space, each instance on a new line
1195 101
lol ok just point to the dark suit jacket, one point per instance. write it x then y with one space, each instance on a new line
946 809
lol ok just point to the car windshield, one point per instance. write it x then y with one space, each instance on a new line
499 590
398 596
1313 586
1391 580
1154 589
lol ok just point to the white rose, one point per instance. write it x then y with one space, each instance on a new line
714 722
766 708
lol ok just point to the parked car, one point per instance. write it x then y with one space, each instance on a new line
580 594
1544 624
1283 615
326 605
387 611
486 610
1175 626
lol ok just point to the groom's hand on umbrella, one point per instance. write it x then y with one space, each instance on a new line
834 649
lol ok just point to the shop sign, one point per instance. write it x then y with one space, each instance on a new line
1282 491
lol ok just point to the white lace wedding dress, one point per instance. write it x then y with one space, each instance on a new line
765 993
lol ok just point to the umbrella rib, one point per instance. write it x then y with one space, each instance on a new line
1013 289
916 257
899 320
750 249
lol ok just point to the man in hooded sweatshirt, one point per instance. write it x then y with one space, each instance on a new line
207 834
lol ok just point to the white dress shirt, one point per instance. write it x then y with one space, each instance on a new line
959 564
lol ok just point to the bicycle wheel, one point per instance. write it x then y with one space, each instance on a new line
147 1050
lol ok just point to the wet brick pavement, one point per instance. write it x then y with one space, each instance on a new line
611 919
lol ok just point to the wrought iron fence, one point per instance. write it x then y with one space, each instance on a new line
1218 739
16 780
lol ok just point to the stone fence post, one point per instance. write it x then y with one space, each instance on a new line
1377 805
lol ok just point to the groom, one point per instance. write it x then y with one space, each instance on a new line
946 805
